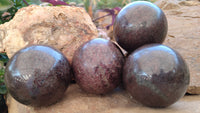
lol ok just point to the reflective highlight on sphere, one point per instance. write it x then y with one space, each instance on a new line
140 23
37 75
97 66
156 75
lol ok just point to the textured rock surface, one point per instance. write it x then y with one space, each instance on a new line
168 4
77 101
184 36
64 28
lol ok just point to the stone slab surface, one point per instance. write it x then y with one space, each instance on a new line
119 101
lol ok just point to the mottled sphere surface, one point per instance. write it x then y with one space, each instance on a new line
156 75
140 23
37 75
97 66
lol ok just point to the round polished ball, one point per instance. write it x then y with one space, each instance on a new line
156 75
97 66
37 75
140 23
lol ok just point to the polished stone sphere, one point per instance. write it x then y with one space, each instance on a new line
156 75
97 66
37 75
140 23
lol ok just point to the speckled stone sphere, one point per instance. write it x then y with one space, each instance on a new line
97 66
156 75
37 75
140 23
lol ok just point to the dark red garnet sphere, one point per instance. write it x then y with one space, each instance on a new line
37 75
156 75
140 23
97 66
